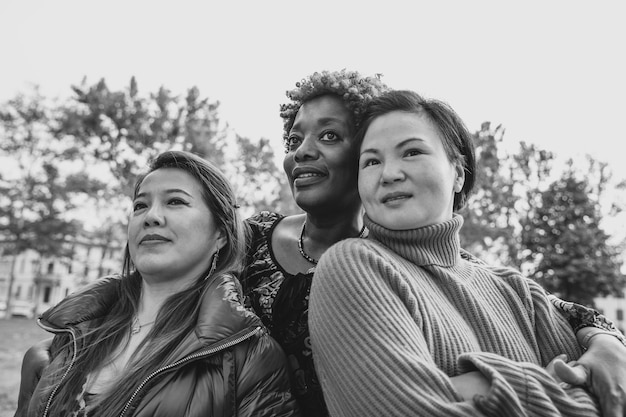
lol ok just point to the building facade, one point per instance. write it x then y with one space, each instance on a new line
40 282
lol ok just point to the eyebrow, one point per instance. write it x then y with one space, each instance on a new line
325 121
399 145
168 191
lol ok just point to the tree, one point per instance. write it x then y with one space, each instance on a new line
566 245
258 183
35 196
124 130
490 216
507 218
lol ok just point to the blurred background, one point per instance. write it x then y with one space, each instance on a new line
90 91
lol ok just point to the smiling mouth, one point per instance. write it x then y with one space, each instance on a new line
308 175
393 198
308 178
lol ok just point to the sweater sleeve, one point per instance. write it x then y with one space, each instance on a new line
372 358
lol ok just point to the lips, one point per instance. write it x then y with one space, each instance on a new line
307 175
395 196
153 238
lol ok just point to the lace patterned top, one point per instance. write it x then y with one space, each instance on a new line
281 300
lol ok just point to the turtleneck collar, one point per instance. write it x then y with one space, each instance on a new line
437 244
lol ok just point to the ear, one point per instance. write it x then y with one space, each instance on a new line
221 240
459 181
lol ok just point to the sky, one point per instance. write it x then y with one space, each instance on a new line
551 72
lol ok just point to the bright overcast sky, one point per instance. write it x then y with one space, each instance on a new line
552 72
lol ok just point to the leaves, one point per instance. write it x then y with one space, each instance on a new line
521 216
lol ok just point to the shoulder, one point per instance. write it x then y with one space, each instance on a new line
259 228
353 262
354 250
90 301
509 280
263 219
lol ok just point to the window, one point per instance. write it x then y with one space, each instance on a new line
50 267
620 314
46 294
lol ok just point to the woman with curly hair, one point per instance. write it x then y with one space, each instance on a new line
320 123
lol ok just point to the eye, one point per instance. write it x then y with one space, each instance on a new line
176 201
292 143
329 136
412 152
369 162
138 205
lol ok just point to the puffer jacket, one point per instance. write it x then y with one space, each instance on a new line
251 381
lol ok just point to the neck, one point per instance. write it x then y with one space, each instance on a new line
153 295
321 232
327 229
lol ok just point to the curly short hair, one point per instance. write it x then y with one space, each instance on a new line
353 88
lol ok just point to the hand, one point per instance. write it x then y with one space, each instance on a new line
470 384
567 374
602 368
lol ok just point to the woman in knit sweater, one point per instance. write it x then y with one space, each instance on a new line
401 324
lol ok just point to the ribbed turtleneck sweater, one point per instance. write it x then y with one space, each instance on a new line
394 316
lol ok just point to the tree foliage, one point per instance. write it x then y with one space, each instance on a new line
35 196
520 216
567 247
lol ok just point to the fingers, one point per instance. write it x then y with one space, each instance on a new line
572 373
550 367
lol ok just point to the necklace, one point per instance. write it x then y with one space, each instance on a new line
305 255
136 326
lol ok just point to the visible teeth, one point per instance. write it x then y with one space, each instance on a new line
398 197
308 175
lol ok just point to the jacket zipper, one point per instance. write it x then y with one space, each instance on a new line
74 351
207 352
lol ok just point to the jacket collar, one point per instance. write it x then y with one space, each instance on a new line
221 313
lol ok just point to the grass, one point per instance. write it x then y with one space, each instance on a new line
16 336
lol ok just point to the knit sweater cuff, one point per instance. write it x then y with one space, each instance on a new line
520 388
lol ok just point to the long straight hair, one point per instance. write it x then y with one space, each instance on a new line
175 319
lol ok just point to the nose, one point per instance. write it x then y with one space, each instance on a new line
154 216
307 150
391 173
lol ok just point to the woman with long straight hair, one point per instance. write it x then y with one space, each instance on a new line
169 337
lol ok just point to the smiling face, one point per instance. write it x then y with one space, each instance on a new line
406 180
321 156
172 233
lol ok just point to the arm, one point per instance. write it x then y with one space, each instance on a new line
263 380
36 358
372 357
581 318
602 367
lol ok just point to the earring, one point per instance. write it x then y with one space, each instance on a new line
213 263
